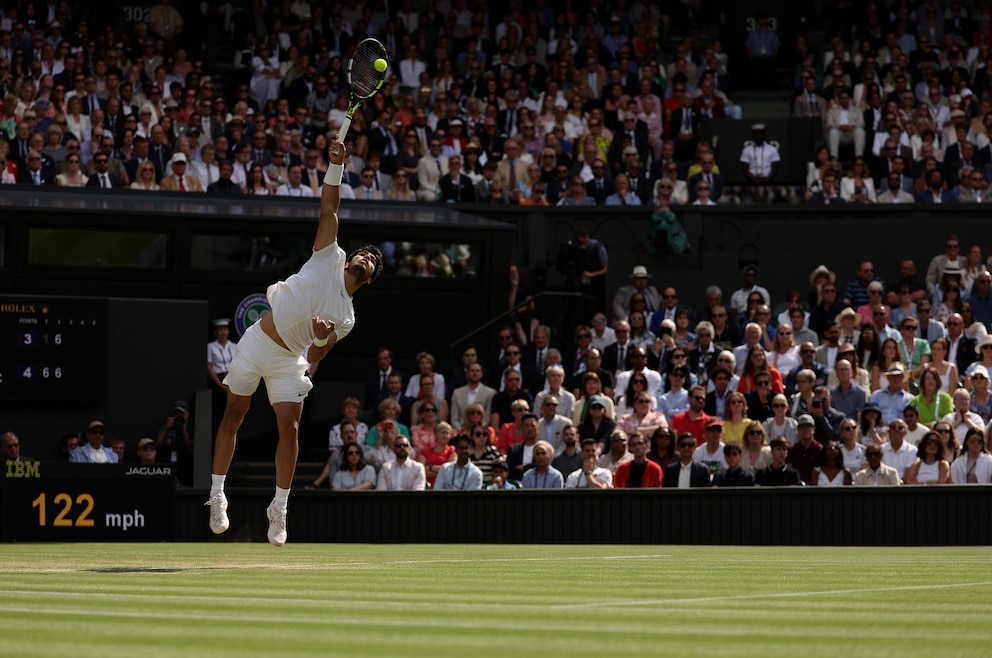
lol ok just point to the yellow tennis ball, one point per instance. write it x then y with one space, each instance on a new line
380 65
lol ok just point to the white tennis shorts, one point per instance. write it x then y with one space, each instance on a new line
259 357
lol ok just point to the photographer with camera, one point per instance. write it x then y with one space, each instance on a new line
826 419
174 442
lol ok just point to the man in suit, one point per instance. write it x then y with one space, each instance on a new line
459 374
616 356
640 184
706 162
473 391
601 186
394 391
102 176
935 192
552 424
809 103
138 157
430 170
685 473
508 120
456 187
962 350
636 131
36 171
511 170
375 383
160 153
844 123
683 129
366 190
312 176
179 181
639 283
828 194
514 361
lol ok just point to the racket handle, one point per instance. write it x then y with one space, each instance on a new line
343 130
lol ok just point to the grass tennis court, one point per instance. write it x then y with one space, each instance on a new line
222 599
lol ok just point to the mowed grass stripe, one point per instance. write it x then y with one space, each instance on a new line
222 600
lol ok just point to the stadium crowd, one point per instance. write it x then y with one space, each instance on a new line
504 106
734 392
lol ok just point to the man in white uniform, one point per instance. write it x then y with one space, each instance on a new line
311 311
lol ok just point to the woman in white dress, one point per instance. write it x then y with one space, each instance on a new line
930 466
73 176
938 360
831 471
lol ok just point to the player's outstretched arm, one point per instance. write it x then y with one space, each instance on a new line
330 197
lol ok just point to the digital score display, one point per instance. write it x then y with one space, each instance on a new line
53 348
56 501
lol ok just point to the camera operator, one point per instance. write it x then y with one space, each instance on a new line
826 419
174 442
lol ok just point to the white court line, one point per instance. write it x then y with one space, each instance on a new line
170 569
776 595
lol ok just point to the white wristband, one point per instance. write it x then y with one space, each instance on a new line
320 342
334 174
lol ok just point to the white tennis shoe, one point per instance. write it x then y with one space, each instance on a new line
218 513
277 525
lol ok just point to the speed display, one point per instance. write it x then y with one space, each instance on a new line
52 347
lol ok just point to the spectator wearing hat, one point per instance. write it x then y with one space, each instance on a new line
950 257
93 451
893 399
759 160
179 181
804 453
710 454
147 451
639 284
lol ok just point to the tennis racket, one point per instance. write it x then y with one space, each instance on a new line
363 78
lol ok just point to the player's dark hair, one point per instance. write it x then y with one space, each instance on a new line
373 251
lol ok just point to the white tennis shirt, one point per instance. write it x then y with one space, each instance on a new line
316 290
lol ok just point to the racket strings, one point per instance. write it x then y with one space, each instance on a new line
364 79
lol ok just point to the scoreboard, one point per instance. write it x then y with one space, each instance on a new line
53 348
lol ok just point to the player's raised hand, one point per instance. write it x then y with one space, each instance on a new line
336 151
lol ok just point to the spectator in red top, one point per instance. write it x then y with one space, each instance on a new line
639 472
694 419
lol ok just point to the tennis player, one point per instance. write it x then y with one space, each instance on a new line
311 311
